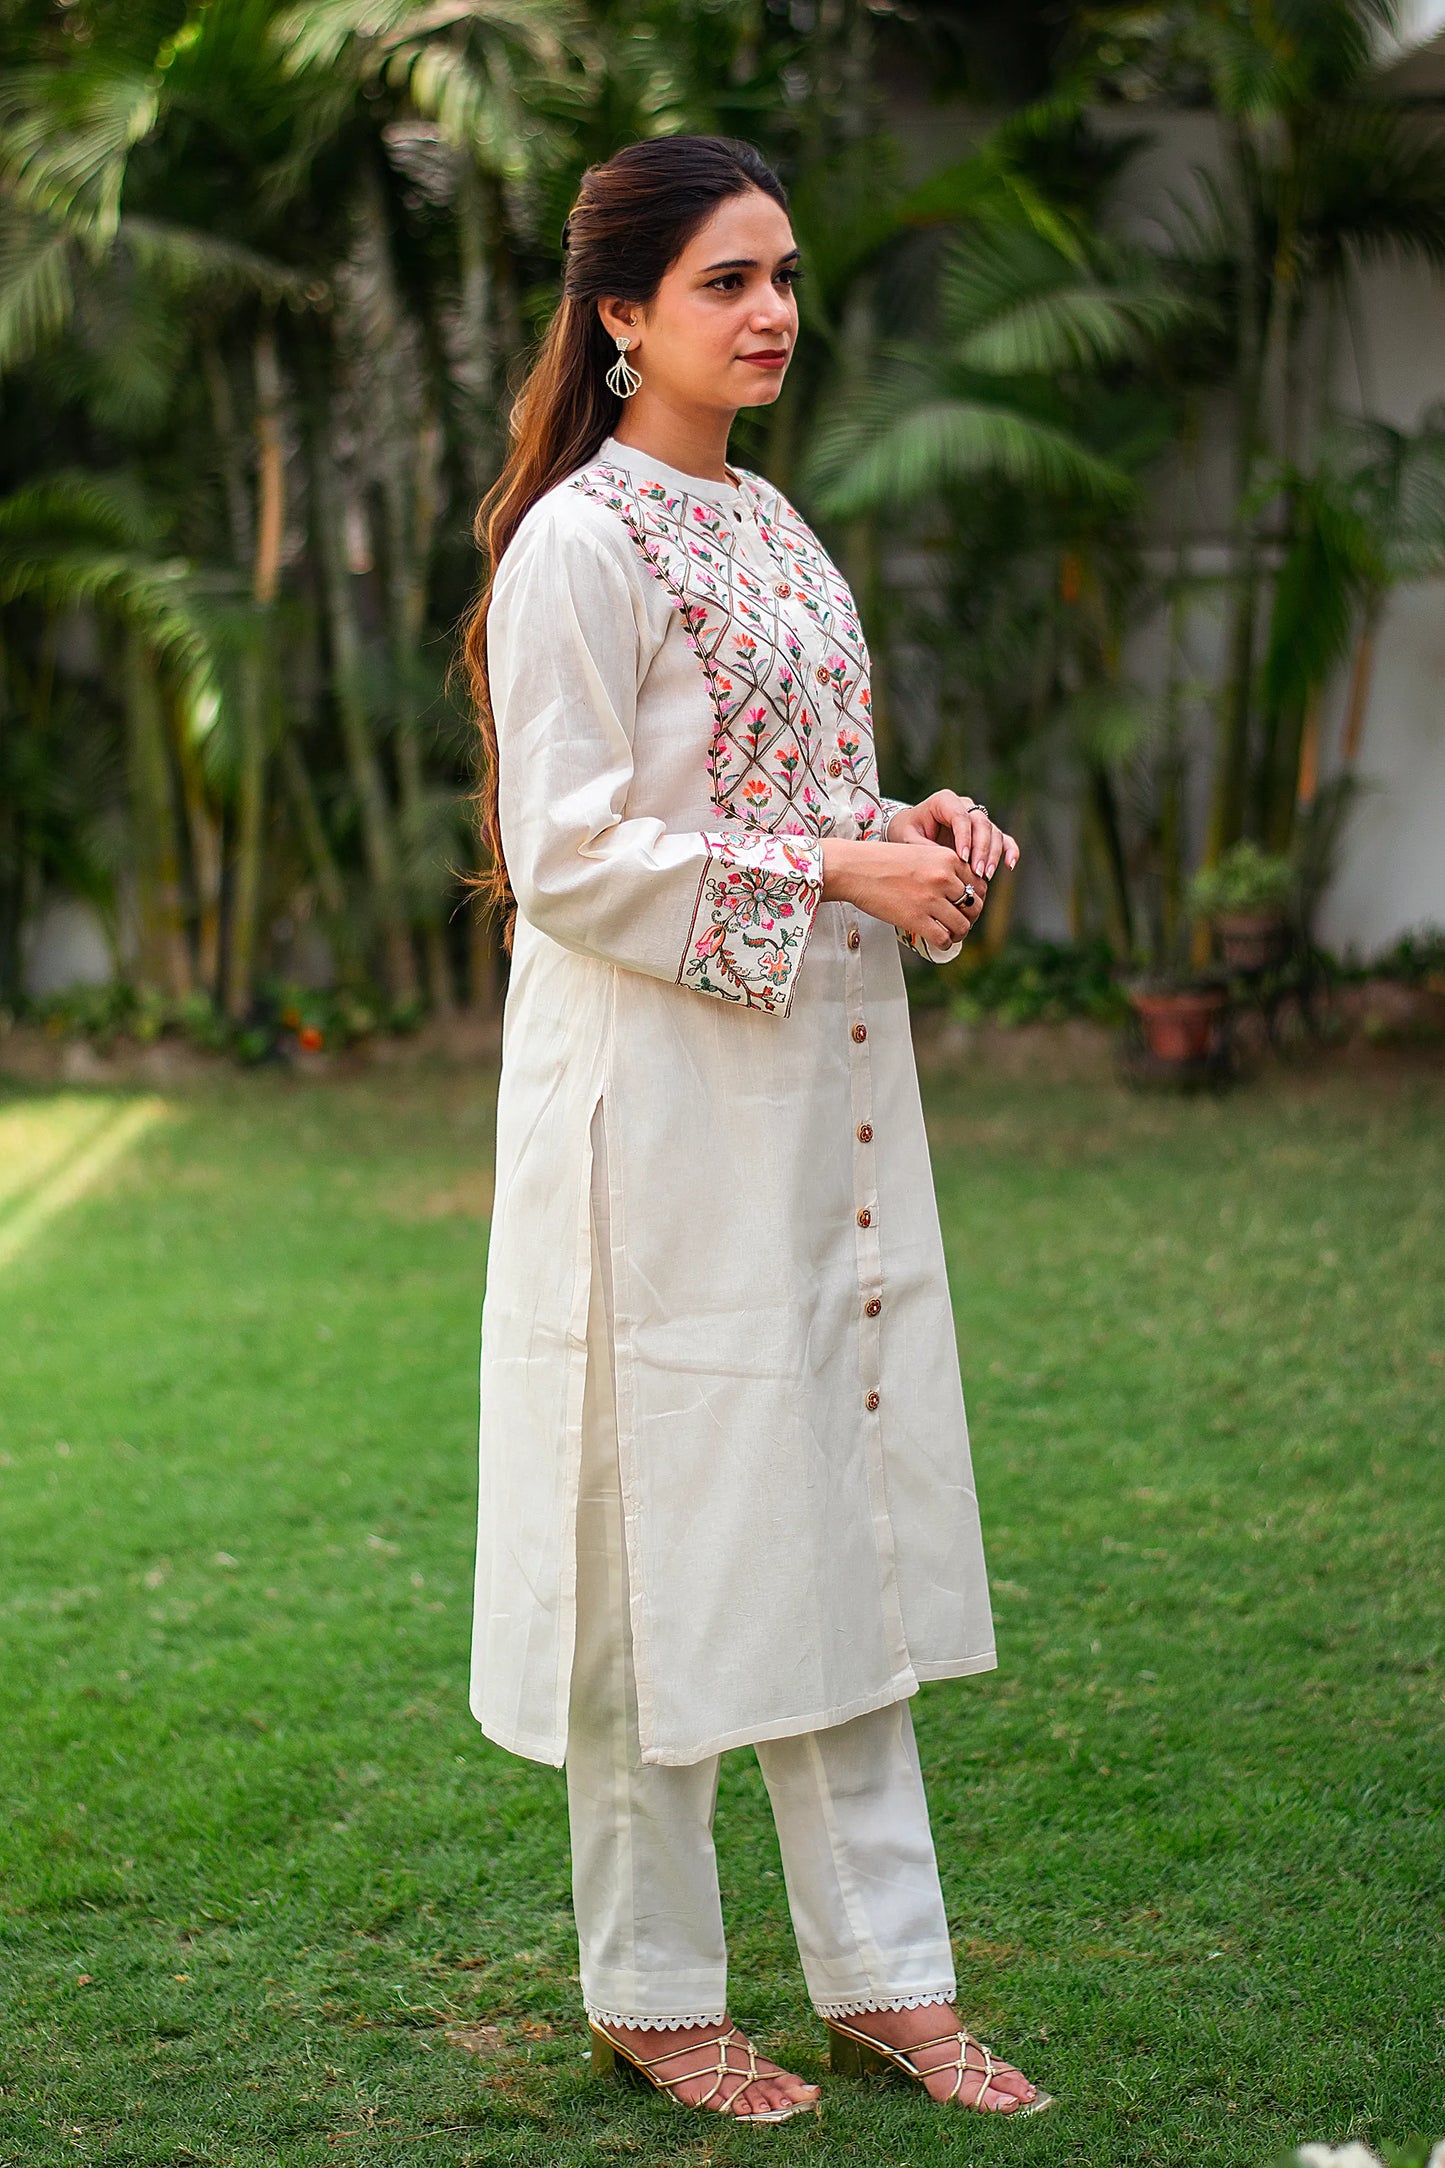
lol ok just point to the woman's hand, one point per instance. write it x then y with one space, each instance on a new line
947 818
925 890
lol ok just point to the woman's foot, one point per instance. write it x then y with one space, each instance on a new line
689 2069
1002 2093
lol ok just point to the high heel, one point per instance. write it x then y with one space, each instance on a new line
611 2059
852 2054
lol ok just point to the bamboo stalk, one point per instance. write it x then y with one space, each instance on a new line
255 675
349 689
164 957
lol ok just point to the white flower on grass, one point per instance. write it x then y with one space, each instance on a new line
1337 2156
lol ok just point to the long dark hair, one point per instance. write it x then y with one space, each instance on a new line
633 217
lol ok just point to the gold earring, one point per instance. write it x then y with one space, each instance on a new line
622 377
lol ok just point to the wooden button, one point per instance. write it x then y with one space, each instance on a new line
871 1402
821 673
872 1306
781 587
835 766
865 1132
854 937
860 1031
865 1217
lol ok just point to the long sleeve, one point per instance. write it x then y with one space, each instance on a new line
927 949
724 912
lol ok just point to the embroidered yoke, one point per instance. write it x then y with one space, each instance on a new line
681 691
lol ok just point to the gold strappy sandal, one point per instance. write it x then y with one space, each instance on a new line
611 2059
853 2055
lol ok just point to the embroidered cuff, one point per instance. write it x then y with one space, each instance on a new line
927 949
756 903
887 807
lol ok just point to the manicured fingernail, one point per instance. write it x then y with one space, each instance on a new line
993 868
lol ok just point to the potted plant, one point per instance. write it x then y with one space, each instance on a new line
1180 1017
1245 896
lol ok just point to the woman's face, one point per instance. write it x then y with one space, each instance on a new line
720 330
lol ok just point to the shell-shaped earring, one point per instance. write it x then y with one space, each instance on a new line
622 377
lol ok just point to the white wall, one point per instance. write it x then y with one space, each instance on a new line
1391 877
1392 872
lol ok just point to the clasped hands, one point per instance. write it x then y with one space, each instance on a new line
954 847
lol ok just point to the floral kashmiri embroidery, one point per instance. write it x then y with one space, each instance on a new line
784 710
755 906
784 707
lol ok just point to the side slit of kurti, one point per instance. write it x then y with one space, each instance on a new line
609 1237
614 1260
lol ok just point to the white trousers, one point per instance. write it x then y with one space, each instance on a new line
848 1802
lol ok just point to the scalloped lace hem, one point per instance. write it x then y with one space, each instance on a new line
858 2005
655 2024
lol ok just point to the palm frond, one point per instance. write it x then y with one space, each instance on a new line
66 136
944 442
74 504
37 286
1014 305
154 597
1372 184
196 261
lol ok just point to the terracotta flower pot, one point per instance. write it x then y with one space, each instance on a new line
1180 1026
1251 940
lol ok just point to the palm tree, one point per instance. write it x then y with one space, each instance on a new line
1322 174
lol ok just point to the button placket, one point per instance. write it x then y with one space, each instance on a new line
865 1188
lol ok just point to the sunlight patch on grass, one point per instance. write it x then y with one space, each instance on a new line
54 1152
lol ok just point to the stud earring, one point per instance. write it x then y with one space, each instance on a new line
622 377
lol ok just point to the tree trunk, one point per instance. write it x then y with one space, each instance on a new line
349 692
1361 680
256 678
204 831
1231 777
411 472
163 959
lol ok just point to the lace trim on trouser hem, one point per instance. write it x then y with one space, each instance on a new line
658 2024
858 2004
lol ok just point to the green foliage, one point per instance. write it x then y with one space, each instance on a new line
1042 982
1244 879
1416 959
287 1019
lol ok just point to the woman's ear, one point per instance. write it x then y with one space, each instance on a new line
619 318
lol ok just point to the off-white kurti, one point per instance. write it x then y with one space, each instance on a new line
680 686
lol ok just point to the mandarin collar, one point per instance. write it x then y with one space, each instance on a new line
724 494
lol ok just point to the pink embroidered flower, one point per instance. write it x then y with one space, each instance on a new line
711 940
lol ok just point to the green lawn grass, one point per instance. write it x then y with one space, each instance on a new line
257 1864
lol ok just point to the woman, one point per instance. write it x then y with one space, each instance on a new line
725 1484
